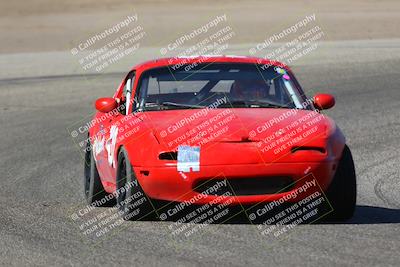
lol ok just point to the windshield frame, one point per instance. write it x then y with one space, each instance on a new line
140 102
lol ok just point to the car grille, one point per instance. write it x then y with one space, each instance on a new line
245 186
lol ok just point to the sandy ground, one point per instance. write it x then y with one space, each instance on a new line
36 36
46 25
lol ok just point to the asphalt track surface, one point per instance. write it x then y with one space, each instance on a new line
42 179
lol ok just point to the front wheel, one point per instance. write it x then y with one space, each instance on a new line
132 201
342 192
92 186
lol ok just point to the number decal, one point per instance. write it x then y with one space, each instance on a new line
110 145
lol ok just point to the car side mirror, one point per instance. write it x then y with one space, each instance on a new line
106 104
324 101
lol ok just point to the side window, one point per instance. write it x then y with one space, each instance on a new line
127 93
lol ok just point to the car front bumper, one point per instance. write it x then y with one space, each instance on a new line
166 183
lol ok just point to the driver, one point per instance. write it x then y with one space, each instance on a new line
249 89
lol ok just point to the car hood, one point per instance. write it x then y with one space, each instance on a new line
239 124
257 134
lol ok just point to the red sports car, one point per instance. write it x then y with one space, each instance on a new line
197 130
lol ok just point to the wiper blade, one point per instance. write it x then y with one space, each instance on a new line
236 104
268 104
172 104
253 104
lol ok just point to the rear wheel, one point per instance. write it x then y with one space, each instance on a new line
342 192
132 201
93 189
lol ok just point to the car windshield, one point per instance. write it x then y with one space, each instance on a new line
218 86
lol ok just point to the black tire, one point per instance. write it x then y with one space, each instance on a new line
93 189
342 192
132 201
